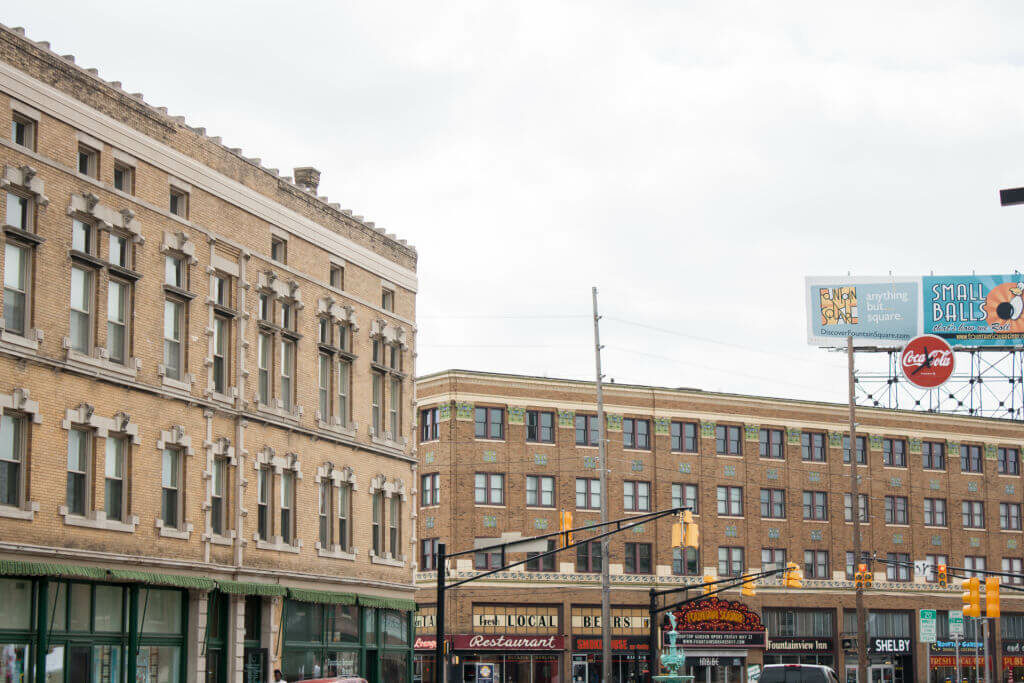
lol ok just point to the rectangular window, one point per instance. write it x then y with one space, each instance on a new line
428 425
862 450
812 446
79 452
343 337
428 554
17 269
636 434
23 131
287 374
324 385
345 516
387 299
324 331
81 309
935 512
81 237
685 562
540 491
588 494
862 500
975 566
170 501
730 561
489 423
174 361
771 443
973 514
933 455
540 426
222 290
543 564
395 410
287 506
727 440
895 509
19 212
933 561
1009 516
730 501
684 437
489 559
12 457
395 528
637 558
850 565
894 452
636 496
773 558
377 403
178 204
430 485
174 272
588 557
264 343
815 505
324 514
279 249
113 466
685 496
587 430
337 276
970 458
377 524
816 564
88 161
773 504
124 178
489 489
266 307
218 489
263 503
221 353
1009 461
344 389
898 572
1013 565
118 250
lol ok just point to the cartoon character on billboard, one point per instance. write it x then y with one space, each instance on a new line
838 305
1004 306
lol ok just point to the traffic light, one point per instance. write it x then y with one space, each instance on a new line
749 587
992 597
564 524
794 577
869 577
862 577
677 534
691 532
972 597
941 576
707 583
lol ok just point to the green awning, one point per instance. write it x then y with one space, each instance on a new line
200 582
248 588
321 597
19 568
388 603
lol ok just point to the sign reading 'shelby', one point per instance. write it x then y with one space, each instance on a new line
927 361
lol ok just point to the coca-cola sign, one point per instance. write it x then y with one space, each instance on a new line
927 361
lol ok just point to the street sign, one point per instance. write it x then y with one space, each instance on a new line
927 361
927 625
956 623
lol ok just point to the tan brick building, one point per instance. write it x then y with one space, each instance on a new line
503 454
206 454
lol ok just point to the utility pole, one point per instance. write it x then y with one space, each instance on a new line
862 622
602 462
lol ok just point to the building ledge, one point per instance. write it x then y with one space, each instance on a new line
169 532
129 370
387 560
27 512
97 519
279 545
335 552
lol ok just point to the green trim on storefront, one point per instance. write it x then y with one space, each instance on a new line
388 603
177 580
321 597
250 588
19 568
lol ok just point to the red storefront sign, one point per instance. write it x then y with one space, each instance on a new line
950 660
425 643
1013 660
514 642
620 644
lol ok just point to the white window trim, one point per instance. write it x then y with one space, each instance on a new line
279 291
176 437
85 416
278 464
337 476
19 400
234 325
218 448
25 110
395 487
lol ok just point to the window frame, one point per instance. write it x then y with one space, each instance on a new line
591 554
120 478
929 457
817 568
814 504
733 556
219 475
89 157
488 423
127 174
24 290
287 373
936 512
180 372
488 560
79 501
682 499
29 131
488 488
175 487
770 558
728 437
264 367
27 205
634 493
429 427
680 560
893 456
1004 461
428 554
18 422
178 202
971 459
728 501
771 505
119 328
812 447
767 445
864 511
633 558
683 433
538 428
539 492
387 299
86 317
973 511
279 249
264 493
898 573
430 489
589 485
897 510
862 450
221 367
1009 516
636 434
591 427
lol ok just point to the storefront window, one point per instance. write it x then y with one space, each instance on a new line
370 626
14 659
396 629
160 610
394 666
109 609
58 601
16 597
342 663
106 663
158 664
81 606
343 624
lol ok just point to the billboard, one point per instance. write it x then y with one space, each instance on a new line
968 311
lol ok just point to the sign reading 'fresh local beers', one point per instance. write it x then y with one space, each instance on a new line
515 619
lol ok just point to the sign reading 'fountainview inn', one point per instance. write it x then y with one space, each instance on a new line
715 623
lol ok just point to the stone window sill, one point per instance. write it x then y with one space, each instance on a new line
279 545
98 520
387 560
168 532
281 413
29 341
227 399
180 385
335 552
129 369
217 539
27 512
336 428
388 443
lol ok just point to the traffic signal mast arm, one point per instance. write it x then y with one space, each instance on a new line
961 572
621 524
730 583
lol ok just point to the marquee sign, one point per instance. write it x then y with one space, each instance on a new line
713 623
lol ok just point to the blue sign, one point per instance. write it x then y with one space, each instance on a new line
975 310
883 311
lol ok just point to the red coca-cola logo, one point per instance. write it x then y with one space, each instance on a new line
927 361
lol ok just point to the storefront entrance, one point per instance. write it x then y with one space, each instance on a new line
630 668
714 668
877 673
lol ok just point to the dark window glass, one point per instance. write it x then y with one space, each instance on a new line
933 455
490 423
540 426
771 445
894 452
970 458
812 446
727 440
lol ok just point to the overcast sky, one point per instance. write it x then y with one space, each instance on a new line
694 161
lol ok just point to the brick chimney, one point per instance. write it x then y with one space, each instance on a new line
308 178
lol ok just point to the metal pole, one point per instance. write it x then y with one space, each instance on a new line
439 664
956 639
862 622
606 634
652 648
984 630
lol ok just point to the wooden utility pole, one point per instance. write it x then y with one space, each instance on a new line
862 622
606 622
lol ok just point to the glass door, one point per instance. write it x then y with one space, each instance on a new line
882 673
579 669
